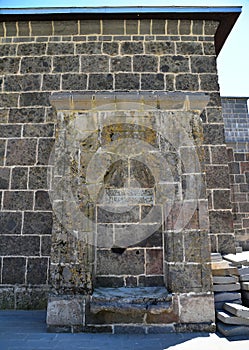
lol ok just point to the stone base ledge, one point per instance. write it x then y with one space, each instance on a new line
136 329
129 100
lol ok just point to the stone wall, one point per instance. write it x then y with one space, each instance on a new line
236 120
40 58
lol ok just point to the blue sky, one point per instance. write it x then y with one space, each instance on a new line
233 60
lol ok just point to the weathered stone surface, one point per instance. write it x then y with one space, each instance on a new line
131 48
22 82
174 64
154 261
37 223
129 263
9 65
184 277
42 201
199 308
66 64
21 152
65 311
188 48
14 270
95 63
10 222
37 271
19 178
159 47
100 81
7 298
4 178
226 242
34 298
145 63
121 64
34 99
221 221
18 200
39 178
152 81
19 245
41 64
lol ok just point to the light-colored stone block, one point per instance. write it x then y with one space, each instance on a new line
237 310
196 308
65 312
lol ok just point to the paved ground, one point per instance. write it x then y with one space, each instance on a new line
26 330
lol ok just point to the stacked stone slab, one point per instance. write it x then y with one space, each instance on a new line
229 276
233 320
242 261
226 284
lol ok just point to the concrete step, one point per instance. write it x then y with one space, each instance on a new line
237 310
232 330
228 318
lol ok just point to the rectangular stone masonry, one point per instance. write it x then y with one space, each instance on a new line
10 222
14 270
18 200
130 262
18 245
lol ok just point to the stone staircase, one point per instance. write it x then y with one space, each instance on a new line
231 293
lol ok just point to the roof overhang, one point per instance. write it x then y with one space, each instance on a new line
227 16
